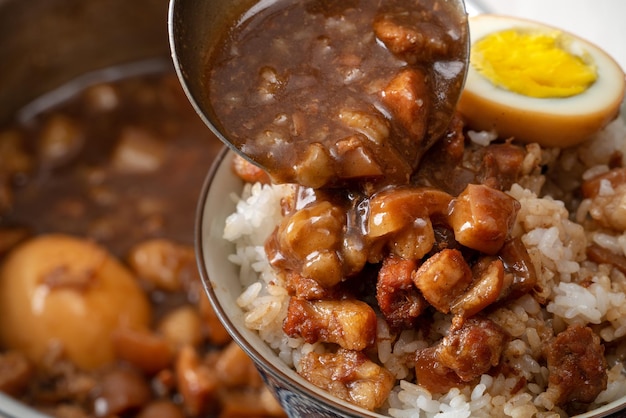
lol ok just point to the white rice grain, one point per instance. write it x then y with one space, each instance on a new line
482 138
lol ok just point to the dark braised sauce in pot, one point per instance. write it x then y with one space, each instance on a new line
97 208
327 93
99 170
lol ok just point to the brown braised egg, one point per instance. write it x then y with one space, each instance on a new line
61 289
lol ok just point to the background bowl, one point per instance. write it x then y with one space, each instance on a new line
221 280
44 44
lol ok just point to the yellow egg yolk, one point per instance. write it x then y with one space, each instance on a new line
532 64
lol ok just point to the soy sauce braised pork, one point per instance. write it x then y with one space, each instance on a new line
350 375
577 365
462 356
407 252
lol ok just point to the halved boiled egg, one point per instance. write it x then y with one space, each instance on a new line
536 83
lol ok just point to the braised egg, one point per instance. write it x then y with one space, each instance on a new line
59 289
536 83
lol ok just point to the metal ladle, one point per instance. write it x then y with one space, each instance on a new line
195 29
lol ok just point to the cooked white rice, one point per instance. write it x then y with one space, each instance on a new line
556 239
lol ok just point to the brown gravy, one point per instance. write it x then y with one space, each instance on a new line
316 92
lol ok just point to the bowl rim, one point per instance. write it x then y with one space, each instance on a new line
293 381
13 408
